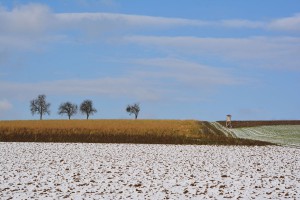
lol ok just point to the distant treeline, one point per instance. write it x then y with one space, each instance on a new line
41 107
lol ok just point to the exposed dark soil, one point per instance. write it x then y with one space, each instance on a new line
240 124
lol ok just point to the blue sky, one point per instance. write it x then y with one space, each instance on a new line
178 59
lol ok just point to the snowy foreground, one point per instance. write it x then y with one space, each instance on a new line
124 171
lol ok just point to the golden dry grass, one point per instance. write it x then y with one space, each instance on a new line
115 131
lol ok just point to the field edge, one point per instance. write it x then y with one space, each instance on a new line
119 131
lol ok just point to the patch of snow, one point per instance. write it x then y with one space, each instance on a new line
228 132
131 171
288 135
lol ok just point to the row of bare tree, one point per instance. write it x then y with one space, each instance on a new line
41 106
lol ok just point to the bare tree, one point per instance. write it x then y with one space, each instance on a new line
40 106
67 108
133 109
86 107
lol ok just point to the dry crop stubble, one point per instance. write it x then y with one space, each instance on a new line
117 131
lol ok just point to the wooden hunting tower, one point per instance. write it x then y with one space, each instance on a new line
228 121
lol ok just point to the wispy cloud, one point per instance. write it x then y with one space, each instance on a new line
25 19
278 52
241 23
27 26
286 24
31 26
113 87
154 79
5 105
190 74
38 19
125 20
35 19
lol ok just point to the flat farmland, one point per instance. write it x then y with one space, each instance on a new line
118 131
147 171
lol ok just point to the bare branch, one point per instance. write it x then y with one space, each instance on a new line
86 107
40 106
133 109
67 108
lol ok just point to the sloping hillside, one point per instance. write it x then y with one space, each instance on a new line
278 132
241 124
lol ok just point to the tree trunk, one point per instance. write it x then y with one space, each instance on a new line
136 116
41 113
87 116
69 117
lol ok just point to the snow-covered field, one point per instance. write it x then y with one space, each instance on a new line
127 171
280 134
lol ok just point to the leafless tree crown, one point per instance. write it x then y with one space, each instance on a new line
87 108
67 108
133 109
40 106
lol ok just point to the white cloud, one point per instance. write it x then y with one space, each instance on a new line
25 19
37 19
291 23
190 74
241 23
25 27
28 26
286 24
115 87
125 20
153 79
5 105
276 52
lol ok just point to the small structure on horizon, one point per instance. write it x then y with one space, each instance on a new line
228 121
